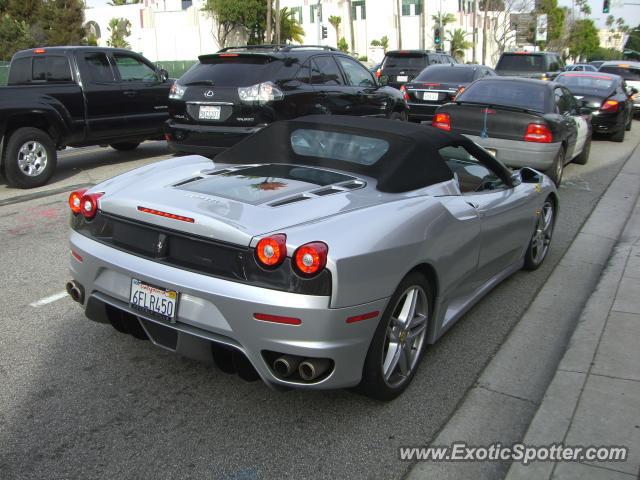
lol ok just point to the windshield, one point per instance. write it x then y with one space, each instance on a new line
338 146
575 81
231 71
521 63
446 74
526 95
413 61
625 71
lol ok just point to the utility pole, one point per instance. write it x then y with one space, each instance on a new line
423 15
399 24
475 30
269 38
277 22
352 40
318 23
484 32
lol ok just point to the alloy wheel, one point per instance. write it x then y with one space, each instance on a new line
32 158
542 235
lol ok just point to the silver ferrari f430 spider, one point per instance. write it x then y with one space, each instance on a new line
322 252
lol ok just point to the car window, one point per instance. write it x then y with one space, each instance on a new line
586 81
405 60
356 74
570 100
39 69
521 62
625 71
471 174
98 67
563 106
230 71
132 69
304 73
324 71
58 69
554 66
508 93
338 146
446 73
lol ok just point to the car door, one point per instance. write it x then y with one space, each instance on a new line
370 101
581 122
332 94
506 216
103 96
144 94
568 122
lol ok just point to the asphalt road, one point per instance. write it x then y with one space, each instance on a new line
79 400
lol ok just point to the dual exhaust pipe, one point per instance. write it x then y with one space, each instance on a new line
75 291
308 369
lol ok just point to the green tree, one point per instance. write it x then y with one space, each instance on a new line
119 30
343 46
443 19
383 42
63 22
335 22
290 29
633 42
14 36
583 39
555 18
458 42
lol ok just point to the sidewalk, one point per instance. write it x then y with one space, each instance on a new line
594 398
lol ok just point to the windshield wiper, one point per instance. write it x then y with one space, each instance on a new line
199 82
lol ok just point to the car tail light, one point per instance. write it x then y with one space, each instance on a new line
176 92
405 94
311 258
610 106
271 251
458 92
538 133
89 204
262 93
75 200
378 73
442 121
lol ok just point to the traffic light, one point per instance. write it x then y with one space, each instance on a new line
436 34
324 29
605 6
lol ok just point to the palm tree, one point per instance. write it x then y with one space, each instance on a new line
458 42
117 3
335 22
290 29
442 20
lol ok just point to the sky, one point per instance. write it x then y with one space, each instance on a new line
631 13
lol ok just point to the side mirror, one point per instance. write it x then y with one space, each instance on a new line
633 91
529 175
164 75
383 80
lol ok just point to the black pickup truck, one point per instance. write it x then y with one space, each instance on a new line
76 96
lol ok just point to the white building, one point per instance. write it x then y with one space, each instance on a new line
180 30
615 40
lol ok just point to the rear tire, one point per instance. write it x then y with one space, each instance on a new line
30 158
400 116
399 341
125 146
618 136
583 158
557 169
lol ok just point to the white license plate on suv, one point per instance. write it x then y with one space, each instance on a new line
208 112
433 96
402 78
155 300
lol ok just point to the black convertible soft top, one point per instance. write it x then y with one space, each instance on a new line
412 160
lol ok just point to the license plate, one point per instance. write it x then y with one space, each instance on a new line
209 112
430 95
402 78
492 151
155 300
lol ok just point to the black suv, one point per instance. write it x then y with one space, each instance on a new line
402 66
540 65
231 94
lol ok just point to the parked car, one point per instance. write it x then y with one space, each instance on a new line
523 122
606 96
321 252
628 70
439 84
402 66
540 65
596 63
581 67
234 93
76 96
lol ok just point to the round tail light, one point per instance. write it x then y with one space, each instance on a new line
271 251
75 200
311 258
89 205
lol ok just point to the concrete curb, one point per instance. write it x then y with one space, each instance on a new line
500 407
553 418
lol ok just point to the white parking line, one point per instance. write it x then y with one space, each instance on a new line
50 299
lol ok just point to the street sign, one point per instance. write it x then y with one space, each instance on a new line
541 28
523 24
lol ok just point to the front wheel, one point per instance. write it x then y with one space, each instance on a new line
125 146
399 341
30 158
541 239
